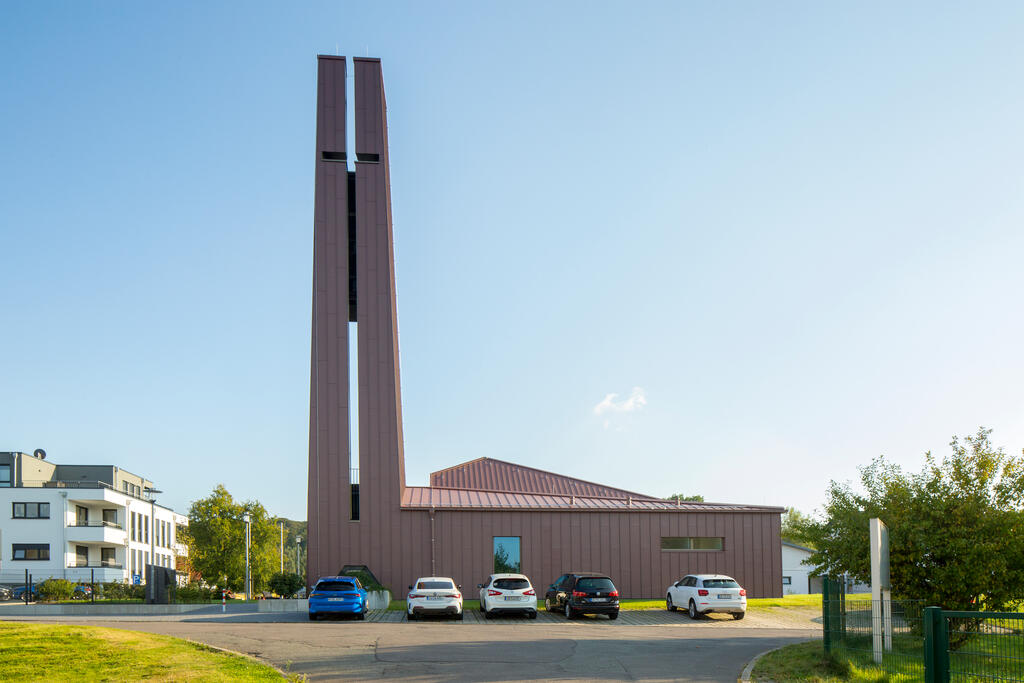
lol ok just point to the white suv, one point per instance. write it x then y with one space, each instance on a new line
434 595
702 594
507 594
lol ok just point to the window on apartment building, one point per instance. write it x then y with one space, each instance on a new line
133 525
108 556
124 485
5 476
691 543
110 517
30 551
787 580
145 529
30 510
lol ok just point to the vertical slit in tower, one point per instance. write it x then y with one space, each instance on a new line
353 350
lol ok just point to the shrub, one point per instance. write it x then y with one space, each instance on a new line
285 584
56 589
193 592
123 591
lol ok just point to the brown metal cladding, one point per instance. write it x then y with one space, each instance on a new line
498 475
406 532
329 429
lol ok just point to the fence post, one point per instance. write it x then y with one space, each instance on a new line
826 630
930 618
941 649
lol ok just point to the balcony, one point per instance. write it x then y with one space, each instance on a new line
96 532
96 565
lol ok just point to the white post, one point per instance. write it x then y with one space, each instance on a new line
881 610
248 583
282 547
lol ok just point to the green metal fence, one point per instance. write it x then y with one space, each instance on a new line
849 627
974 646
924 643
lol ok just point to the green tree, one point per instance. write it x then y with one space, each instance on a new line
216 540
684 497
792 524
956 529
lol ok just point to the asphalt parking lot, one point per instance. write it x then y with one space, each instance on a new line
645 646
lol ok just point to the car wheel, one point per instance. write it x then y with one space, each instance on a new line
693 610
533 614
488 615
570 613
613 616
548 605
668 604
361 616
410 616
459 616
312 617
738 615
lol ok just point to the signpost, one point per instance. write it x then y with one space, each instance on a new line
881 593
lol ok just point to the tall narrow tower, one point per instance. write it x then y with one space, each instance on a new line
353 283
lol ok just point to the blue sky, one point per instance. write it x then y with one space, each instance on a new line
786 236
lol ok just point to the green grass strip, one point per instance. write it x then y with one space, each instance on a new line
57 652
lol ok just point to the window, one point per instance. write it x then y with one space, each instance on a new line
145 529
435 586
691 543
511 584
30 551
787 581
720 583
108 556
110 517
506 555
30 510
124 484
336 586
595 583
5 476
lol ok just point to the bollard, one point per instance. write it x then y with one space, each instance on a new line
223 600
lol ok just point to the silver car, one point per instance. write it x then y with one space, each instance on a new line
701 594
434 596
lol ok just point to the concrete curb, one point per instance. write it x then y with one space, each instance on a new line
284 674
749 668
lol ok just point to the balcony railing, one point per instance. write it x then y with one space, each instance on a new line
96 565
109 525
86 485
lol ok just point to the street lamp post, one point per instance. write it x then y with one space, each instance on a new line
298 540
248 577
282 547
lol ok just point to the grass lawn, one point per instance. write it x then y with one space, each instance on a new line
813 600
54 652
807 662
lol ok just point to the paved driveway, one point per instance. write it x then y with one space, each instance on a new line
647 646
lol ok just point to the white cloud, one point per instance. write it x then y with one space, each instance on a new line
636 400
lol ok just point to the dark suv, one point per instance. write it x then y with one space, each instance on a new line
579 593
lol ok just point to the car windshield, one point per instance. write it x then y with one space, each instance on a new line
720 583
335 586
511 584
595 583
434 585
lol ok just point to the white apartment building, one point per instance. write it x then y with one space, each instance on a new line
77 521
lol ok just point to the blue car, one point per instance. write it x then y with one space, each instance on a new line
337 595
18 593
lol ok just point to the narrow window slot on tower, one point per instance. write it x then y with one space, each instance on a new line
353 417
332 156
352 265
368 157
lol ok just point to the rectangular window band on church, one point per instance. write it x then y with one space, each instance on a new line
673 543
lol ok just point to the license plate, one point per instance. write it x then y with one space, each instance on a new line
434 597
513 597
598 599
335 599
724 596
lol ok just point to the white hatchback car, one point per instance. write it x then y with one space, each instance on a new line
701 594
507 594
434 596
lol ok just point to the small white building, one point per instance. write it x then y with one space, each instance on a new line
796 576
78 521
